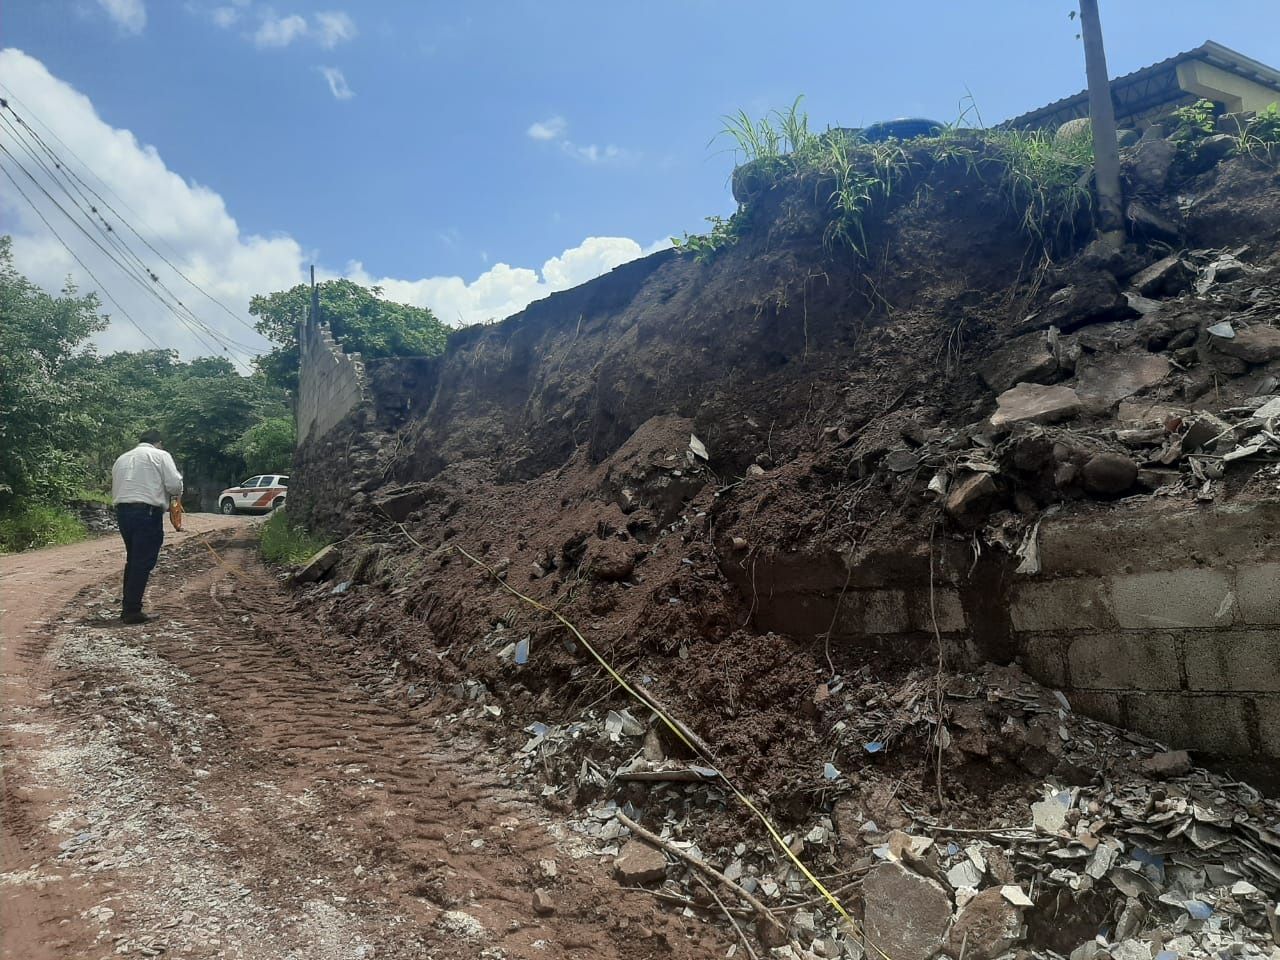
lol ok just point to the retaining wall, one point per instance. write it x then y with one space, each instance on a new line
330 382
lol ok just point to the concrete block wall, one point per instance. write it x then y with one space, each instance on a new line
331 382
1164 621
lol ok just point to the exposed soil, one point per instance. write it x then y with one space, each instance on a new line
202 787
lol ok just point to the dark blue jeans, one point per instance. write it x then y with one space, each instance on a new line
142 527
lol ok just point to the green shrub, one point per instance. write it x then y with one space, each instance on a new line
26 526
286 543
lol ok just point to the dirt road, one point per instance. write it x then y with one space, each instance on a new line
232 782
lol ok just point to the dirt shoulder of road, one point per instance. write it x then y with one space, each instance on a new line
204 787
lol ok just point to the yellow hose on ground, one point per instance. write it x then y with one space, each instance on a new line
677 729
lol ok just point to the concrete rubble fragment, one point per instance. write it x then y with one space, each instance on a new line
907 915
1035 403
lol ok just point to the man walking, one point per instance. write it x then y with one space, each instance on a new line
142 482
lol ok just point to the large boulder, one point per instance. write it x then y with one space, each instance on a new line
1094 299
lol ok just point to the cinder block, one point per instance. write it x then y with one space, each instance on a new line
1094 703
1268 709
1214 724
1258 590
1120 661
875 612
1173 599
1045 657
1070 604
946 607
1234 660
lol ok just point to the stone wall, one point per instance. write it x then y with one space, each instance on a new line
331 383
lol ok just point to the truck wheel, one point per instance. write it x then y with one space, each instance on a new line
228 506
277 503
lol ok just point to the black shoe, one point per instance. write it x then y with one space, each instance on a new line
138 617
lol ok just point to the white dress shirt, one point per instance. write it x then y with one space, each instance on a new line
146 474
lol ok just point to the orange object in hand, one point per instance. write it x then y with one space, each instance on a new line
175 514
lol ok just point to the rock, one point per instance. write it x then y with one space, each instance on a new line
1171 763
1025 359
319 565
1049 815
1167 278
1131 950
1212 150
1109 474
1105 382
1149 164
1144 306
1077 129
906 915
1093 300
609 561
1035 403
543 905
1256 344
1146 222
399 503
639 863
969 499
986 927
755 470
1207 432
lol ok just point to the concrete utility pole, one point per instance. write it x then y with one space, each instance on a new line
1102 121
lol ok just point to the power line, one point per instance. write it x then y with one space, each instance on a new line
75 256
112 257
231 313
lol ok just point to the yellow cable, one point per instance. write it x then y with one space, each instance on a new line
675 729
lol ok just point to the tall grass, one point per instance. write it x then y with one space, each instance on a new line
27 526
1042 180
286 543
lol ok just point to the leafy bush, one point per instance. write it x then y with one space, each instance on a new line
25 526
1195 119
267 446
284 542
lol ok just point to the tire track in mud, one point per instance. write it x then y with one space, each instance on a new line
258 796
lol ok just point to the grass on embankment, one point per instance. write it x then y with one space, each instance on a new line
286 543
27 526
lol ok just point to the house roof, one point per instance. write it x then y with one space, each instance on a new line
1150 86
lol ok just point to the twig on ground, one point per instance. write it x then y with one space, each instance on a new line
729 916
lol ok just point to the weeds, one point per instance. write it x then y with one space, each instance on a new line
27 526
1043 181
1195 119
284 542
1260 137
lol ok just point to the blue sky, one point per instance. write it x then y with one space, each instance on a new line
422 158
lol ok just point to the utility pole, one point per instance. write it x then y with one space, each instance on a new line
1102 122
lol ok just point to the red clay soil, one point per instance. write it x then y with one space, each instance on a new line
228 782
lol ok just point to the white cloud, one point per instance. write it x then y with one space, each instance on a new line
280 31
337 83
333 27
129 15
555 129
549 129
225 17
502 289
192 225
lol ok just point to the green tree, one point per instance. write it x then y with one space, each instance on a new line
44 423
267 446
359 318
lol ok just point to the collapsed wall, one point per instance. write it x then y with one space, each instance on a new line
1068 464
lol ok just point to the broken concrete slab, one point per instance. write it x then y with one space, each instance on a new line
1102 383
1171 763
402 501
1035 403
1147 222
986 927
1256 344
1026 359
320 564
639 863
1167 278
907 915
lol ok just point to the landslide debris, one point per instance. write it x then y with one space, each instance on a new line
628 453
